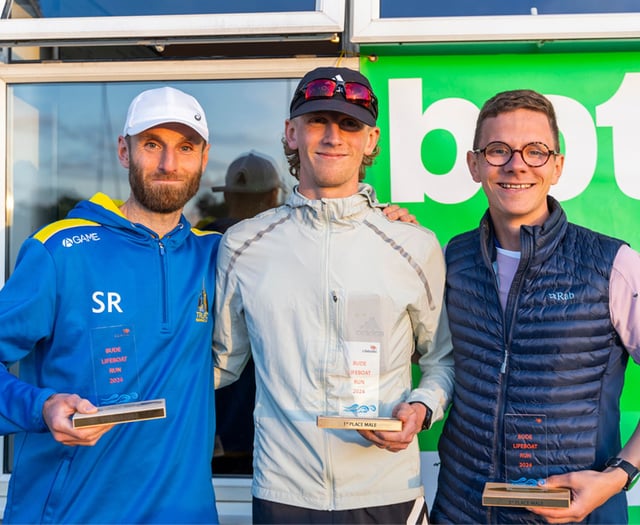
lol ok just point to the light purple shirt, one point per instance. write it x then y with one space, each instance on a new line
624 292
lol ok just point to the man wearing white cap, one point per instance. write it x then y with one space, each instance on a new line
332 299
112 304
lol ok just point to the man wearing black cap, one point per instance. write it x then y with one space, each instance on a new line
332 299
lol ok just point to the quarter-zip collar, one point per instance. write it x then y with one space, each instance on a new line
347 212
537 243
105 211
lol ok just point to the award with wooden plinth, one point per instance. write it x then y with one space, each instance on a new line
525 463
360 423
116 381
359 393
511 495
361 413
123 413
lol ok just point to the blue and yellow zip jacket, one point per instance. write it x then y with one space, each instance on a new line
103 308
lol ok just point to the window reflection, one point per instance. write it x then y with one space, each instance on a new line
64 149
65 138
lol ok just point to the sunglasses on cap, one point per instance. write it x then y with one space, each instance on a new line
353 92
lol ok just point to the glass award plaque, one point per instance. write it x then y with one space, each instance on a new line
360 406
525 438
116 381
361 413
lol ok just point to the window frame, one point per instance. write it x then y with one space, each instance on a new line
6 201
368 28
323 23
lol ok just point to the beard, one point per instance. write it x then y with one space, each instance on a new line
159 198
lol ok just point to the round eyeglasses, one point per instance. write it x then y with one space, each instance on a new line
534 154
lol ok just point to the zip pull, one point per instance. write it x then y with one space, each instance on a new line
503 368
334 296
161 246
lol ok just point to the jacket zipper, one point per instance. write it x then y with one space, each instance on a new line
331 319
508 316
164 285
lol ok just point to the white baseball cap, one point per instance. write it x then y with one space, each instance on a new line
162 105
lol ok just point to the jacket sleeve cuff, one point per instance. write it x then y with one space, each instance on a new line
37 418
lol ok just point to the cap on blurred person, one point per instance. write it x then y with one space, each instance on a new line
250 173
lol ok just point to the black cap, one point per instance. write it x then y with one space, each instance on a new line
300 106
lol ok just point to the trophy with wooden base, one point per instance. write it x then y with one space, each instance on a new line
525 463
116 381
361 412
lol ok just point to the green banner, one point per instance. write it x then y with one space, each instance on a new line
428 108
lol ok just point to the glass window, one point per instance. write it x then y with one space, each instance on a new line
419 8
60 8
63 148
413 21
65 137
56 23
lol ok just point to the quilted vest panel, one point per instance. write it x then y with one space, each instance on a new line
552 352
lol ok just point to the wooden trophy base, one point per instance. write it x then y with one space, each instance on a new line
123 413
360 423
510 495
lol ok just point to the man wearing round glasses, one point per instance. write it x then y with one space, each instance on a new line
543 316
332 299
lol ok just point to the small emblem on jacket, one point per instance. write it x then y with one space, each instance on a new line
562 297
68 242
202 313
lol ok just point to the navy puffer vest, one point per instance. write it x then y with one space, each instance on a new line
552 352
